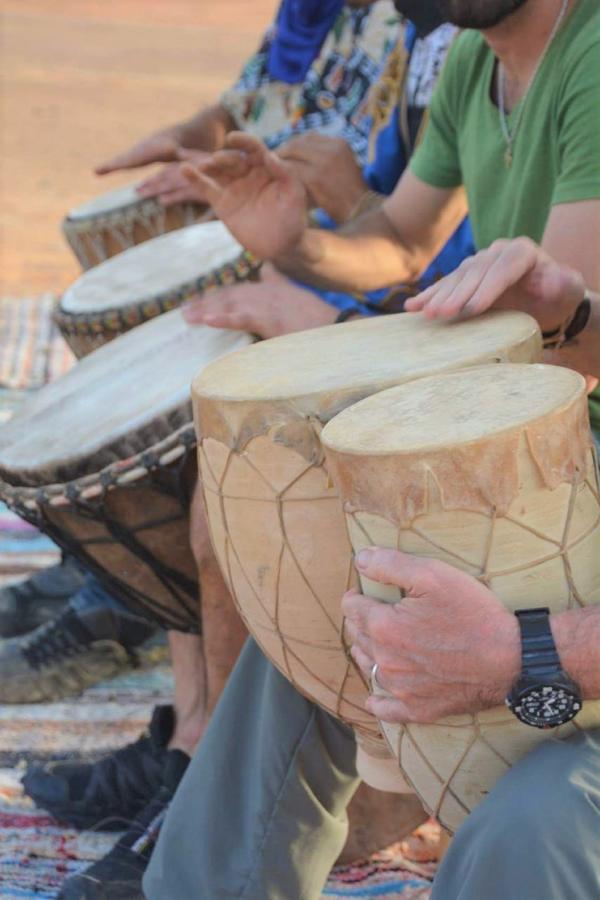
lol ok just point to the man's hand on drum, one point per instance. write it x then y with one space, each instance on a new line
170 185
270 307
329 172
257 194
161 147
448 647
510 274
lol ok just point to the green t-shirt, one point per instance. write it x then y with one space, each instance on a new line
556 151
594 402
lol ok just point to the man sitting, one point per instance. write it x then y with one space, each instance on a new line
282 786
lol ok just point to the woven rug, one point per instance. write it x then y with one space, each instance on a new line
23 549
36 853
32 352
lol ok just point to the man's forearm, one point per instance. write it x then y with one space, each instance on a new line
577 637
583 353
363 256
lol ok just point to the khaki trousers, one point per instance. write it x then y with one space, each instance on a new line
260 813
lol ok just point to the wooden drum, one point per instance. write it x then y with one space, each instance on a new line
147 281
276 519
491 470
104 461
120 219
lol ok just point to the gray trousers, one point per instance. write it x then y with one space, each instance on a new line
260 813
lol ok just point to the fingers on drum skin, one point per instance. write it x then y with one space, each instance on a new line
170 178
505 263
193 313
181 195
455 291
416 303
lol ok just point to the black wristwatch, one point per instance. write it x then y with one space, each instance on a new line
543 696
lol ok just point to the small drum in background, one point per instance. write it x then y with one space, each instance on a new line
498 479
148 281
120 219
104 461
276 519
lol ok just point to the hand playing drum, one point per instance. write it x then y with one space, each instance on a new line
510 274
497 479
256 193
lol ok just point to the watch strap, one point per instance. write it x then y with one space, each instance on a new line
568 331
539 656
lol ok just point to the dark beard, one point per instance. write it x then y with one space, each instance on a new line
424 14
478 14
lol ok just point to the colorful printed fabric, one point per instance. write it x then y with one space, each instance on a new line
398 105
302 26
334 96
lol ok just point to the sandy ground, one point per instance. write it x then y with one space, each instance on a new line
82 79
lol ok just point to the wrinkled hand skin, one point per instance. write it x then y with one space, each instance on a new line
268 308
329 172
448 647
509 274
170 184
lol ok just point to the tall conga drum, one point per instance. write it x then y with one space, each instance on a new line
104 461
119 219
275 516
497 478
147 281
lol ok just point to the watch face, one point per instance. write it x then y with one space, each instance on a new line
547 706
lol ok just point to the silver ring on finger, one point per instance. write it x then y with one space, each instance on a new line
374 683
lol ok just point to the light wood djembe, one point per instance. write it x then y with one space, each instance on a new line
498 479
275 517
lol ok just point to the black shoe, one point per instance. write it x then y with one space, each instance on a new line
30 603
65 656
119 875
110 793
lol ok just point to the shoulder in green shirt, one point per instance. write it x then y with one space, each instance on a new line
594 403
556 152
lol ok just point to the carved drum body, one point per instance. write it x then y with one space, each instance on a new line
276 520
498 479
120 219
104 460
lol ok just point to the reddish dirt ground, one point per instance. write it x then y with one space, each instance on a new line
81 80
